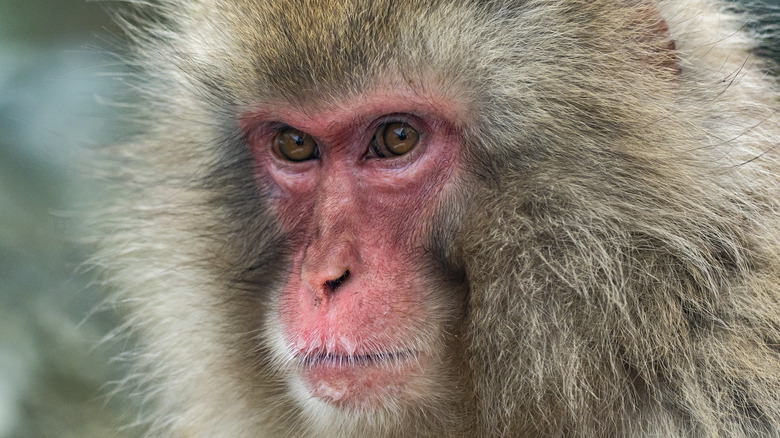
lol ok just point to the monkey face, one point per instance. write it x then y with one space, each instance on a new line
353 187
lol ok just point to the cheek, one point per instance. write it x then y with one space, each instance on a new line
291 209
294 216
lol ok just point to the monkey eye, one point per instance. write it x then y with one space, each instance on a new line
294 145
395 139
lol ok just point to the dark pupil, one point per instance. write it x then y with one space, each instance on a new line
299 140
401 134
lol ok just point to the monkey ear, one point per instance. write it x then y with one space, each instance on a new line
655 40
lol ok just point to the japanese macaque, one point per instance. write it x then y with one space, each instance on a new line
437 218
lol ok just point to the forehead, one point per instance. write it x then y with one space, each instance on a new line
308 47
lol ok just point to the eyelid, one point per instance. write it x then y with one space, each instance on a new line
404 118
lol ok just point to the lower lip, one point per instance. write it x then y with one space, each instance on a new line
360 381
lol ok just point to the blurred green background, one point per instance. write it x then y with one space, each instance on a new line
55 373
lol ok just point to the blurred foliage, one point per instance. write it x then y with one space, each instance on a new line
46 22
54 369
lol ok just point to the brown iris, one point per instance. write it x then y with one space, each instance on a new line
396 138
294 145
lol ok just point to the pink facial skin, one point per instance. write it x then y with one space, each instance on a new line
353 307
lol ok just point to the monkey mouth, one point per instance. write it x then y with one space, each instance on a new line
360 381
336 360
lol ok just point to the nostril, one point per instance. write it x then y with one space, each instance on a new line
332 285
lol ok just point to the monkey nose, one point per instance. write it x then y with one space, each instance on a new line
330 286
326 284
328 266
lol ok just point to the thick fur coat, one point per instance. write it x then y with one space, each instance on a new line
614 243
